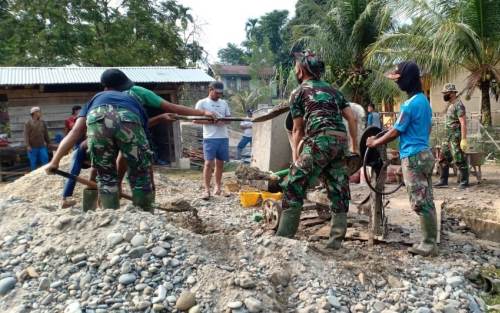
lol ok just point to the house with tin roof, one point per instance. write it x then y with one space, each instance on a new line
57 89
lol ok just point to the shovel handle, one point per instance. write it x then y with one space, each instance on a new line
86 182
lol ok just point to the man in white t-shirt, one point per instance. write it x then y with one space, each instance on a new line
246 126
215 137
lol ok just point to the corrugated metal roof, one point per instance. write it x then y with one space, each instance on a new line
89 75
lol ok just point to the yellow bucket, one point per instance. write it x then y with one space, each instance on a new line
249 198
270 195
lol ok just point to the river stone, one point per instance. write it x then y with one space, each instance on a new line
137 252
73 308
7 284
235 305
253 305
127 279
195 309
185 301
114 239
138 240
159 252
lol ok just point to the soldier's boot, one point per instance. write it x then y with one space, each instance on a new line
144 200
110 200
289 222
89 200
428 246
464 178
338 230
443 179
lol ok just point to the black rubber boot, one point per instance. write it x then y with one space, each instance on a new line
110 200
443 179
89 200
289 223
145 201
464 178
338 230
427 247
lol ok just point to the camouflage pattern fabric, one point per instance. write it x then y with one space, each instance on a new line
451 152
417 175
450 148
322 157
110 130
453 112
320 105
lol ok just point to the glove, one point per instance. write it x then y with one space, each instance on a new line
463 144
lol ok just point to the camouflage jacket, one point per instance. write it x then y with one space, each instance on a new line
453 112
320 105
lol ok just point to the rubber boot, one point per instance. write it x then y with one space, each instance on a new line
427 247
443 179
464 178
338 230
143 200
110 200
289 222
89 200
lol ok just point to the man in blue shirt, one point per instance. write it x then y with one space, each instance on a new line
373 118
413 128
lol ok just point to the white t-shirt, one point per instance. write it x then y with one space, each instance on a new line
247 132
221 109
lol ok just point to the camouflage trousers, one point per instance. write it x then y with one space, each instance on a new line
451 152
111 130
322 157
417 175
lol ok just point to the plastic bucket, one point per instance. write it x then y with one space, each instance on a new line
249 198
271 195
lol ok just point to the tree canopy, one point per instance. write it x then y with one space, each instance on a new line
233 54
444 38
101 33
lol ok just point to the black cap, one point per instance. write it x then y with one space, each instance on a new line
217 86
115 79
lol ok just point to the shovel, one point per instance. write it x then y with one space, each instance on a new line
93 185
86 182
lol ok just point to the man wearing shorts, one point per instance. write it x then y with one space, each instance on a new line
215 137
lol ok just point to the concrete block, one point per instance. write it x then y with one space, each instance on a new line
270 147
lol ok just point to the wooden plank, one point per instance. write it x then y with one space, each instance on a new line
313 222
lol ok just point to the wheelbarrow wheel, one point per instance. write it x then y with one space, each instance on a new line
272 213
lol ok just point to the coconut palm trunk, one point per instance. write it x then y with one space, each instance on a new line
485 103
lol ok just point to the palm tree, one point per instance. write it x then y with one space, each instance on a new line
249 99
444 38
340 33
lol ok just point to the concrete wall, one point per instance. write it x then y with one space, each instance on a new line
473 106
271 149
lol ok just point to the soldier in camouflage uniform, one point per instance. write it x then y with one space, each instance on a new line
116 124
413 128
453 148
317 111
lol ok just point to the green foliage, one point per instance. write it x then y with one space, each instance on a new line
100 32
248 100
446 37
340 31
232 54
269 30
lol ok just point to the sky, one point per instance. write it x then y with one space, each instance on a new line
223 21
